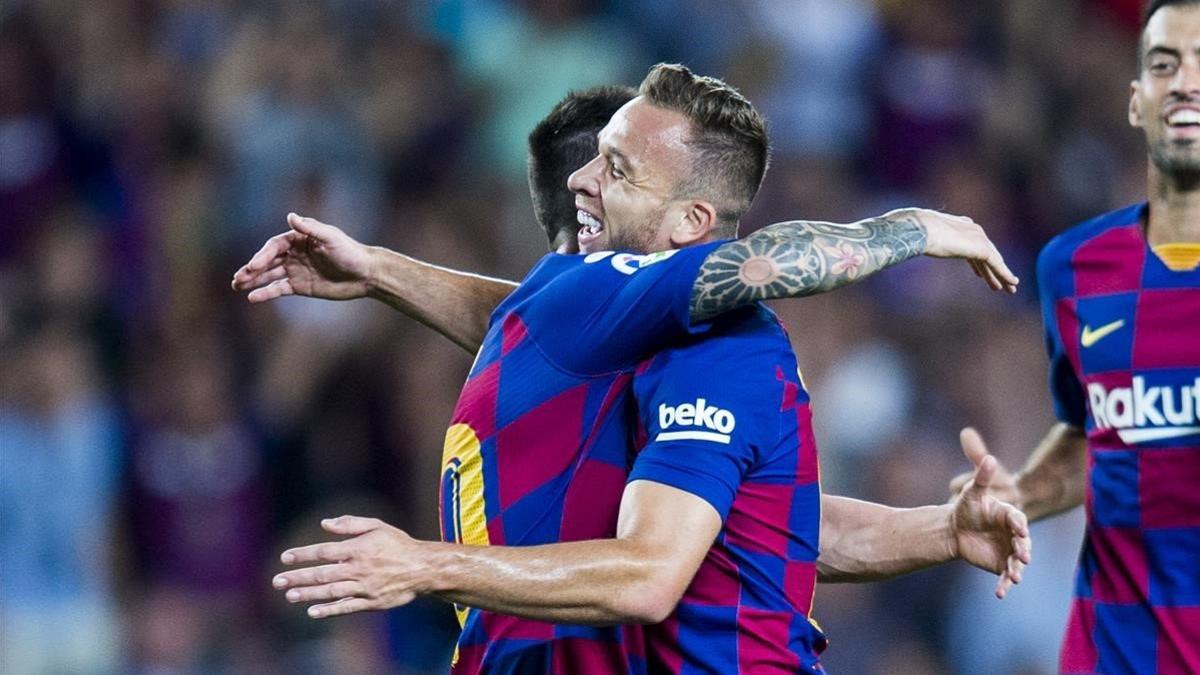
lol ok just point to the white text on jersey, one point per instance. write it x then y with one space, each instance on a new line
708 422
1140 413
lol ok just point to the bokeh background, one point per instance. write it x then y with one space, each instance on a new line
162 440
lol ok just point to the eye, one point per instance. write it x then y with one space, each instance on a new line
1162 66
616 173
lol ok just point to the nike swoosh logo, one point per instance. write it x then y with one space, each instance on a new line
1091 337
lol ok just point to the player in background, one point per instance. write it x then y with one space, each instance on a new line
1120 301
537 582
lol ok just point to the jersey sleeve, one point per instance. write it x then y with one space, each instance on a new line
1070 404
612 310
706 423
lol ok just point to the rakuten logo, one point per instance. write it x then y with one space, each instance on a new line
708 422
1140 413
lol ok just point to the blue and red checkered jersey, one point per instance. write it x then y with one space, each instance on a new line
538 447
1123 332
726 418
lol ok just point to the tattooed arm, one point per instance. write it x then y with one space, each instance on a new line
798 258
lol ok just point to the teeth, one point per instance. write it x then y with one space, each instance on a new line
589 221
1184 117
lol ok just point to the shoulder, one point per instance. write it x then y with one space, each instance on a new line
744 343
1055 260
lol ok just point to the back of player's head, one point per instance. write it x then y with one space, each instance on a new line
1152 7
561 143
728 142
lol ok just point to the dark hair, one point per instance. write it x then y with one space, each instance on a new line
561 143
728 138
1151 8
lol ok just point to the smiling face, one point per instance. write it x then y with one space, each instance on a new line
1165 99
625 196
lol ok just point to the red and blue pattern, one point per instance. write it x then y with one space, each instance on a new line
538 448
747 609
1123 333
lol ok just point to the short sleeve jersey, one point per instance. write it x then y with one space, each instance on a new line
538 447
726 418
1123 334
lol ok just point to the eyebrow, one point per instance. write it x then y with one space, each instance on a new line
621 157
1159 49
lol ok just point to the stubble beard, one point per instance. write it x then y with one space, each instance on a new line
640 238
1179 166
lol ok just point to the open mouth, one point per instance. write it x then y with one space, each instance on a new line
590 227
1184 118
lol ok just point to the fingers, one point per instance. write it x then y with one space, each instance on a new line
272 274
957 483
1011 575
344 606
972 445
324 593
275 248
309 227
312 576
331 552
976 267
350 525
1003 585
985 472
999 269
271 291
1018 522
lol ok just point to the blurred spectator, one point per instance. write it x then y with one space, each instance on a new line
199 508
60 455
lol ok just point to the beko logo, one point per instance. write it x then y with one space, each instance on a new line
707 422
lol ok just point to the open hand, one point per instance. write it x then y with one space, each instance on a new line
948 236
379 567
1002 486
990 534
311 259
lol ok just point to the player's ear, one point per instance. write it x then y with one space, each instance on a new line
1135 107
696 223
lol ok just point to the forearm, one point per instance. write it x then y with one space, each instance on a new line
1054 477
605 581
800 258
863 541
455 304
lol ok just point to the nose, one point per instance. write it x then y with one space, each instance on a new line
1187 79
585 179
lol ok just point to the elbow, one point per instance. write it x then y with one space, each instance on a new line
648 602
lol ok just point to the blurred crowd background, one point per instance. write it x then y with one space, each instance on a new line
162 440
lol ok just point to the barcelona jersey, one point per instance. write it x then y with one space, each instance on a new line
726 417
1123 332
538 447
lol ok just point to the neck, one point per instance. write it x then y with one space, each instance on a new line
1174 208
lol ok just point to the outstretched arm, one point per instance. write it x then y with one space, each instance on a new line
456 304
861 541
800 258
321 261
1053 479
662 537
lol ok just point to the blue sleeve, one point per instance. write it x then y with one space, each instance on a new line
1070 404
611 310
707 418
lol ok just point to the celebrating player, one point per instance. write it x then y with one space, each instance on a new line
537 452
1121 305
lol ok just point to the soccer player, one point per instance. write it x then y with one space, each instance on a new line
1121 306
508 479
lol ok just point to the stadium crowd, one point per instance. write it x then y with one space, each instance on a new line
162 440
